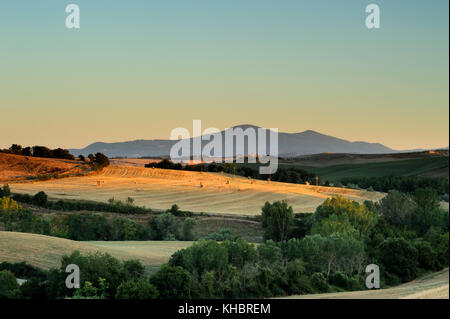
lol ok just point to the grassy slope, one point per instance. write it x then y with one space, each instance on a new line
46 252
15 167
432 286
406 167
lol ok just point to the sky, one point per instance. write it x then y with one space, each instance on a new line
138 69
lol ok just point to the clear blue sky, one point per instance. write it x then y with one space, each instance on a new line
138 69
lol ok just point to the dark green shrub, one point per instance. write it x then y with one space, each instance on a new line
8 285
172 282
140 289
319 282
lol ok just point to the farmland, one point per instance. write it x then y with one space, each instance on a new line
45 252
432 286
336 166
192 191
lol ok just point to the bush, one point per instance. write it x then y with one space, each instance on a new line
23 270
319 282
188 228
163 227
8 205
5 191
222 235
399 258
99 161
141 289
103 272
346 213
172 282
33 289
8 285
343 281
426 256
40 199
277 218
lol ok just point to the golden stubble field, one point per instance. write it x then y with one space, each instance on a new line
192 191
431 286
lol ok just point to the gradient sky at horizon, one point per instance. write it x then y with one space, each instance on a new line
138 69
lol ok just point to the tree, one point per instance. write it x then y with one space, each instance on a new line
8 285
188 228
427 199
42 151
100 161
173 282
269 253
163 227
40 199
331 225
141 289
346 212
5 191
277 218
100 269
16 149
33 289
399 258
398 208
27 151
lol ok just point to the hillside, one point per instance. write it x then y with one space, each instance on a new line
16 167
289 144
45 252
192 191
432 286
336 166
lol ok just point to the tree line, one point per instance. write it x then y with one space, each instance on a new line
93 226
327 251
39 151
283 174
405 184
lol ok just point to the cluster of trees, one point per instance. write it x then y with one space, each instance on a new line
97 161
113 206
283 174
404 184
405 234
39 151
94 226
101 276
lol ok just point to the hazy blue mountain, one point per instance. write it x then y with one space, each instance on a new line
290 144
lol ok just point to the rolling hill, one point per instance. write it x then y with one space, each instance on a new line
45 251
289 144
17 167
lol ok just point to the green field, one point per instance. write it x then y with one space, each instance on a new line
405 167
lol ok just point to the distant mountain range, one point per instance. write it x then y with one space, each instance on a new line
289 145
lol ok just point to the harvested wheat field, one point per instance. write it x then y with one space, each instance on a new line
192 191
432 286
15 167
45 252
